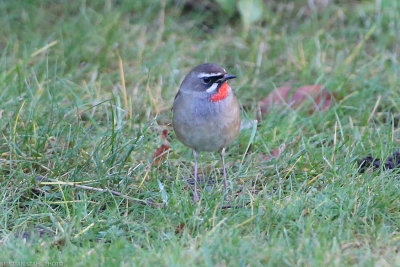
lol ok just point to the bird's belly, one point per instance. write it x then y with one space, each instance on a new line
209 126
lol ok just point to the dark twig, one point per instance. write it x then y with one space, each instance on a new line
229 206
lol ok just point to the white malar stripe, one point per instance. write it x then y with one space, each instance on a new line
206 75
212 88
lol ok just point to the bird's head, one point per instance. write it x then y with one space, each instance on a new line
208 78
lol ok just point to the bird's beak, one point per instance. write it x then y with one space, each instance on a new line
227 77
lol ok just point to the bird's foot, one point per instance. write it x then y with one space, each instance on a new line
195 196
228 196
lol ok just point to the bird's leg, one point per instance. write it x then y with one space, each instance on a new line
222 153
195 196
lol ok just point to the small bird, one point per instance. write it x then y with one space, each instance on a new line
206 113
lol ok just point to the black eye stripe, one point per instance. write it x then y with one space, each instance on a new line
211 79
215 78
207 80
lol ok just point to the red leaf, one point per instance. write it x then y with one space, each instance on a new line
160 153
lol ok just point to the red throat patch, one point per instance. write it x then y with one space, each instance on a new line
223 91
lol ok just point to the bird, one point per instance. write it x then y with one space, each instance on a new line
206 113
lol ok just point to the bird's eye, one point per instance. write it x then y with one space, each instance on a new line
206 80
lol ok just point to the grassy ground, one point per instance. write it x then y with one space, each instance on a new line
65 116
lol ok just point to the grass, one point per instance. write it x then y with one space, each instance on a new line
67 114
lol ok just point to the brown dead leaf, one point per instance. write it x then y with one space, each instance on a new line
276 98
302 93
274 153
277 151
164 134
321 98
160 153
179 228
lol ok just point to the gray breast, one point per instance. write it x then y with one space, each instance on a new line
205 125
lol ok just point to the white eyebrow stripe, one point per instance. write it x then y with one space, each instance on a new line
206 75
212 88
